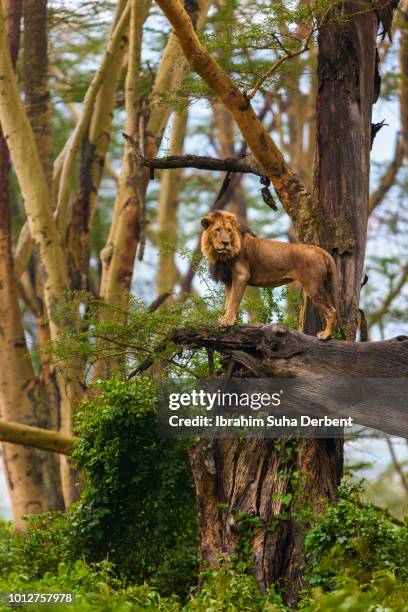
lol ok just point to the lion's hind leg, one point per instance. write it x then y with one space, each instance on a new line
328 312
321 298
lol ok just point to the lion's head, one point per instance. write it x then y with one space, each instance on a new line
221 239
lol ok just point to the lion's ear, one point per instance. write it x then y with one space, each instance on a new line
206 222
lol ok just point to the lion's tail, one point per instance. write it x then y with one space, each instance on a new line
333 288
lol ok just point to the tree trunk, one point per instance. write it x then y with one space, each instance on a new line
39 210
246 478
32 476
94 147
167 218
38 107
270 485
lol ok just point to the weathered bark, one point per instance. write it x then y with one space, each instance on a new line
348 81
288 353
36 89
346 73
401 146
245 165
167 219
250 478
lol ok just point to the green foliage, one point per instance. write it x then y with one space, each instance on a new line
232 588
137 508
356 561
95 588
138 504
130 336
358 554
274 306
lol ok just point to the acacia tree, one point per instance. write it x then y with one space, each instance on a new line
334 216
53 245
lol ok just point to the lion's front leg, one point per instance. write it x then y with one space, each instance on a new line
233 298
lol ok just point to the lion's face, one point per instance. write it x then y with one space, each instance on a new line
221 238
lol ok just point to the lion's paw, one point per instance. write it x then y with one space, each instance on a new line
323 335
227 320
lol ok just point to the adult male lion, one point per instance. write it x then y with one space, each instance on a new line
239 258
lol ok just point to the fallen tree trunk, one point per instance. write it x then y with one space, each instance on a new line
287 353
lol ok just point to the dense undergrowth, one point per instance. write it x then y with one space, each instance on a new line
131 541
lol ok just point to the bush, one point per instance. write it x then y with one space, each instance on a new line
357 539
95 588
138 503
137 508
357 557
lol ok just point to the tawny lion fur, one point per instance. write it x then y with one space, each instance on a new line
238 258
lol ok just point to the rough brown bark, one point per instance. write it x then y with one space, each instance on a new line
346 78
235 478
348 82
246 165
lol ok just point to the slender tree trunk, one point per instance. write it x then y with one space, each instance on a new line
94 147
118 255
32 476
38 107
170 186
225 130
39 209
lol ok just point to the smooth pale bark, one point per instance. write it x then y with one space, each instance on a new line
30 173
32 476
93 153
35 437
65 184
39 112
292 193
65 162
226 137
39 210
170 75
119 253
167 218
125 228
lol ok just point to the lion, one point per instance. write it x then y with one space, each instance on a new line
239 258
